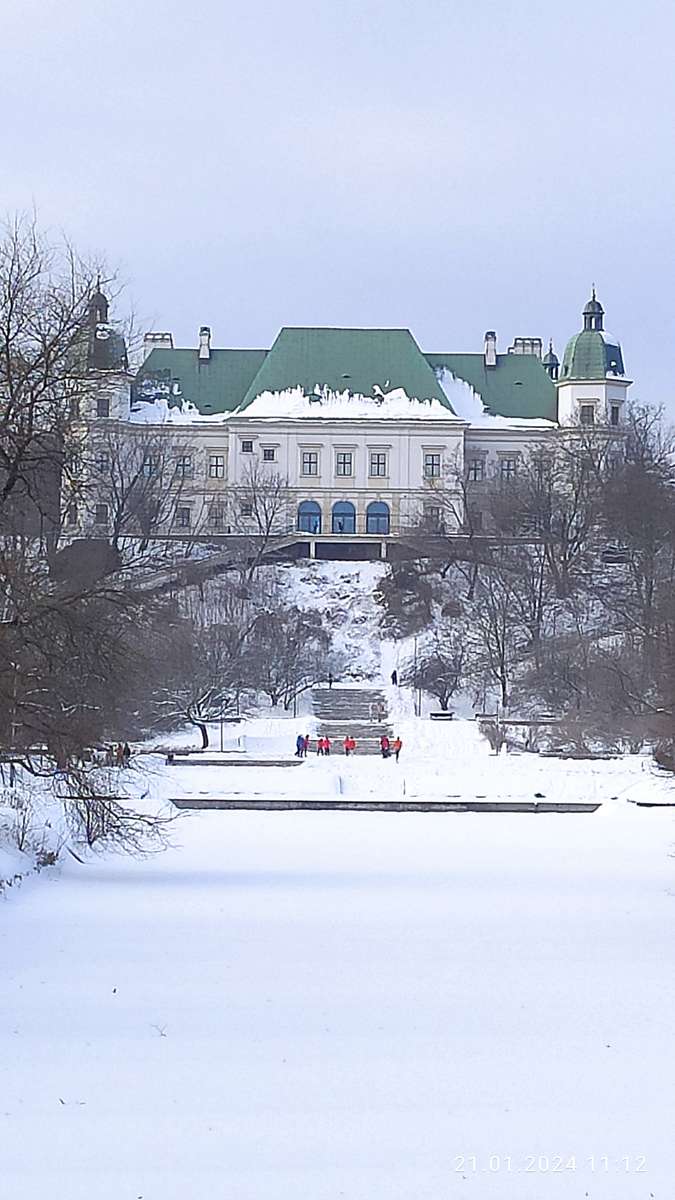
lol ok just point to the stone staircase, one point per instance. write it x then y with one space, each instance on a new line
351 710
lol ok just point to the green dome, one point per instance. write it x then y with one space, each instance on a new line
591 354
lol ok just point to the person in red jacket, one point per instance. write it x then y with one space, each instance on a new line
384 745
320 743
349 745
326 746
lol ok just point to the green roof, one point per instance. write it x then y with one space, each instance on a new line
591 355
356 360
518 386
215 385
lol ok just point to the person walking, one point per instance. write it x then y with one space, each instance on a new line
300 745
326 746
319 746
306 746
384 745
394 678
119 755
346 745
397 746
126 754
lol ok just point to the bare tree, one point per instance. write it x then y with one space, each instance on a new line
142 480
261 517
439 665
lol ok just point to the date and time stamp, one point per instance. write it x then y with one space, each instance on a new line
548 1164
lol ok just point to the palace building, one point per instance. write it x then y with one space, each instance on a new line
358 425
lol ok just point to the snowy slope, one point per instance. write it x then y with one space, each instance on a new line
343 593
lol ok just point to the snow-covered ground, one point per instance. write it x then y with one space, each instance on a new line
376 1006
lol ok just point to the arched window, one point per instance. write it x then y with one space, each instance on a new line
309 517
377 517
344 517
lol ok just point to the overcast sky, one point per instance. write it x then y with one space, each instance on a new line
446 165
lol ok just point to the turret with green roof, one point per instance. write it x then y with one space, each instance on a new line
592 354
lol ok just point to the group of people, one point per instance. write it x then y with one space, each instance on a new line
113 756
389 746
323 745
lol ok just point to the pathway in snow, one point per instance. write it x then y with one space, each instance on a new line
353 1005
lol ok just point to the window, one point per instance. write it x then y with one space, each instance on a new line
71 514
432 465
377 517
74 407
433 518
183 516
101 514
587 414
310 462
309 517
614 414
184 467
216 516
344 463
476 470
102 406
216 466
246 508
269 454
247 447
344 517
102 462
474 519
378 464
150 465
507 468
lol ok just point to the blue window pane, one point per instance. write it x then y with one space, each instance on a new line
344 517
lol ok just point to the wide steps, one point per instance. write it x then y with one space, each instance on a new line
352 711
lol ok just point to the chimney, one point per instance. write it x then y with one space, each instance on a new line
490 348
204 343
160 341
527 345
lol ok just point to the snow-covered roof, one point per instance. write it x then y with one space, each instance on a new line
468 405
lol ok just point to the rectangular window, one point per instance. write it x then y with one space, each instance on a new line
507 468
216 516
184 468
433 518
587 414
71 514
474 519
183 517
101 514
378 464
216 466
432 465
102 462
614 414
344 463
269 454
150 465
476 470
246 508
247 447
102 406
310 462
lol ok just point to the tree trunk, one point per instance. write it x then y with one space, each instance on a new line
204 732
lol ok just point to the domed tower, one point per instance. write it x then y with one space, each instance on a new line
592 383
551 362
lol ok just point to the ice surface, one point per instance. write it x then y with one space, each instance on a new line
335 1005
